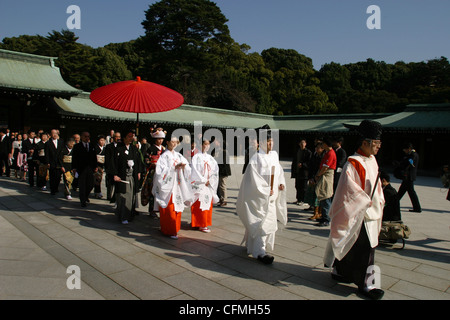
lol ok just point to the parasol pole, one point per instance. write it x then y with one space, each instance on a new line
137 125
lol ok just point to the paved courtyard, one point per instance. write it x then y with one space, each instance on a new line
42 235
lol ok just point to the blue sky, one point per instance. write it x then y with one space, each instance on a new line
324 30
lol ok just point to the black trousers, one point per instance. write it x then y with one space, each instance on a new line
33 169
4 162
354 266
300 185
408 186
85 183
110 188
55 179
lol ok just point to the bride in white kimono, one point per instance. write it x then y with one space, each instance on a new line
171 189
204 181
262 201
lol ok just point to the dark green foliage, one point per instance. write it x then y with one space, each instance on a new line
187 46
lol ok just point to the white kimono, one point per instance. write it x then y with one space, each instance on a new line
204 168
352 206
258 210
169 182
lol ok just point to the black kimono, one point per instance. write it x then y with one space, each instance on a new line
41 164
127 165
98 176
66 163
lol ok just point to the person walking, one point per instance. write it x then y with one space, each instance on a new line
28 148
66 161
100 151
40 160
300 170
127 169
110 151
222 158
171 189
409 164
341 159
53 149
6 153
204 181
324 181
84 164
262 200
356 214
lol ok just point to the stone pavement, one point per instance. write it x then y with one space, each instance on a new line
42 235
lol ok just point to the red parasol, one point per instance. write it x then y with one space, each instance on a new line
137 96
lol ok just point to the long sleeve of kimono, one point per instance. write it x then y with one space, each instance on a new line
205 169
169 180
353 205
252 205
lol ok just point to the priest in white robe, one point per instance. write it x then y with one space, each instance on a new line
356 215
204 182
171 189
262 201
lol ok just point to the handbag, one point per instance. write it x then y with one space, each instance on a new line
391 231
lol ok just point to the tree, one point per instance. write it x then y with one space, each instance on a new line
294 88
131 54
81 66
178 37
112 67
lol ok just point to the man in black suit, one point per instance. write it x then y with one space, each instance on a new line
341 158
84 164
110 150
28 147
409 165
391 211
53 149
300 170
5 152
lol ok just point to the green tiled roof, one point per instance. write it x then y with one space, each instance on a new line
417 118
81 105
32 74
22 72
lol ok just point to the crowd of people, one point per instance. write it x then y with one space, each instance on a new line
128 167
346 193
317 176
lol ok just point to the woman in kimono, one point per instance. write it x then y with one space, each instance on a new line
204 181
66 160
100 150
127 168
151 157
171 189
